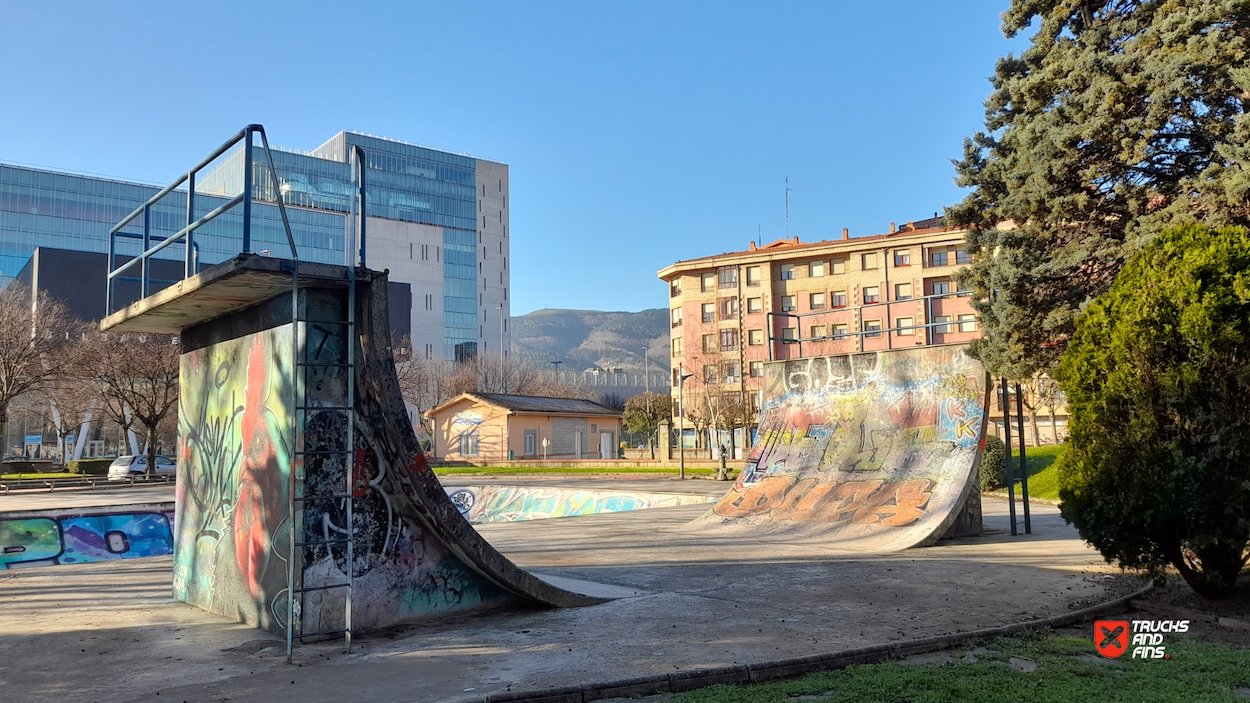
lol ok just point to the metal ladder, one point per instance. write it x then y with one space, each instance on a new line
298 504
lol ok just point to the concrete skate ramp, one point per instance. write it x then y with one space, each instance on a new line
489 504
255 389
870 452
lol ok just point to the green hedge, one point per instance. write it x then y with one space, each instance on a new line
26 466
91 467
993 461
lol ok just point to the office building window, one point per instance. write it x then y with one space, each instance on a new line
787 303
837 299
902 258
902 291
676 346
728 340
839 331
837 266
872 294
817 301
468 443
753 275
709 344
757 369
968 323
789 333
676 317
941 288
903 323
816 269
727 276
708 282
787 272
755 305
755 337
728 308
709 312
817 331
868 261
873 328
940 324
937 258
674 288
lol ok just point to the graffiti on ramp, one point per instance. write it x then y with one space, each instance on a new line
872 452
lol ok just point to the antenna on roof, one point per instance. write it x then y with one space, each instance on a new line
759 235
788 189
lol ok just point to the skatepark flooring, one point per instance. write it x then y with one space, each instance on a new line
111 631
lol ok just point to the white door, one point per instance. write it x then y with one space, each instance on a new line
605 446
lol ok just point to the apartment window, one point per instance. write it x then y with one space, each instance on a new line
709 344
872 294
902 291
709 373
728 340
676 317
817 331
817 301
753 275
676 346
816 269
940 324
674 288
790 333
962 257
755 337
902 258
709 312
937 258
468 443
731 372
727 276
755 305
903 323
968 323
728 308
837 299
676 377
837 266
941 287
708 282
868 261
787 303
757 369
787 272
873 328
839 331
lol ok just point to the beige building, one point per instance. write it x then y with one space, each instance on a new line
730 313
484 427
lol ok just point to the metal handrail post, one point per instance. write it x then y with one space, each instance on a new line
277 192
360 167
189 266
1024 473
247 189
1005 393
145 265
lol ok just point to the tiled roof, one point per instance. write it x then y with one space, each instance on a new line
787 245
546 406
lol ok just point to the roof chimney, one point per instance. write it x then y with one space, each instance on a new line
846 232
796 239
911 226
893 229
752 245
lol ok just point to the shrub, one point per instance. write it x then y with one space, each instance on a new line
1157 376
993 463
25 466
91 467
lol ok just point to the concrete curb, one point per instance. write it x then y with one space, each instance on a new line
678 681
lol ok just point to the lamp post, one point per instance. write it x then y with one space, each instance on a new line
681 419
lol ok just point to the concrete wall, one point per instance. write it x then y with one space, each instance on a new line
412 253
494 259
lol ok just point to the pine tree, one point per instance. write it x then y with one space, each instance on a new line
1122 119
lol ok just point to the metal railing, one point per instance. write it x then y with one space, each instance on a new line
856 312
191 264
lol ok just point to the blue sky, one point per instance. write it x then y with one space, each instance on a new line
637 133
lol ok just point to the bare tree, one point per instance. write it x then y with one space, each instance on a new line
39 343
138 376
65 404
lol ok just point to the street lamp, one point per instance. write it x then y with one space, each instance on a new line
681 418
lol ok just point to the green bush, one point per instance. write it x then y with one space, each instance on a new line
26 466
91 467
993 461
1157 376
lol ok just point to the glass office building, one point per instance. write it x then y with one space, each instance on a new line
443 195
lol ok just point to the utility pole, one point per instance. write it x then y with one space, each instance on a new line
788 189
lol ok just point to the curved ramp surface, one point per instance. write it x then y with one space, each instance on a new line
867 452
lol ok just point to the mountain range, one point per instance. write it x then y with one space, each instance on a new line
583 339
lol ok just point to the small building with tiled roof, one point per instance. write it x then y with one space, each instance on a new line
481 428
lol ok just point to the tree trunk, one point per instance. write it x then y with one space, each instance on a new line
1054 429
151 453
1037 438
1214 571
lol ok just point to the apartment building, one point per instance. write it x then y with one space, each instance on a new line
730 313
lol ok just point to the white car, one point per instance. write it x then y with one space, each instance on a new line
123 467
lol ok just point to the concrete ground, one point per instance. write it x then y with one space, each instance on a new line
110 631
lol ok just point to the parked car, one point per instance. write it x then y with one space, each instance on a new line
127 465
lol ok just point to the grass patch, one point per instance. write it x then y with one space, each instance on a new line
1068 669
36 474
510 470
1040 462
